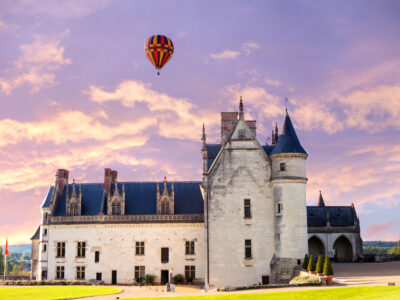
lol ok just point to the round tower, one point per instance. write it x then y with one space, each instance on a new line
288 181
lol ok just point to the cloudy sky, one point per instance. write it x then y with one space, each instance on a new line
77 92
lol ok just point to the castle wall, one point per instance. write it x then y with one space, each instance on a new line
116 244
242 172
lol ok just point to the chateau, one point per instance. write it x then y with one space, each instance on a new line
245 223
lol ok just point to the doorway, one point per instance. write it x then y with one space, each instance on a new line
98 276
265 279
164 276
114 277
44 274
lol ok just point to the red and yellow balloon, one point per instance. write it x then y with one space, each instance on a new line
159 50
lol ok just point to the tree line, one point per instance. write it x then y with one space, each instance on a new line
17 263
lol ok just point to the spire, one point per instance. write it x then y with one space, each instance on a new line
241 113
73 187
165 191
276 132
116 187
288 141
273 142
321 202
203 138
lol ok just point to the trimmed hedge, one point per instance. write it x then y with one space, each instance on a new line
328 270
311 264
305 262
320 265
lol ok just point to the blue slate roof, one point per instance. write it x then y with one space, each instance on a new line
212 152
318 216
140 198
288 141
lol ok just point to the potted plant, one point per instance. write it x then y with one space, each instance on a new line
311 265
305 263
149 278
328 271
178 279
189 280
320 266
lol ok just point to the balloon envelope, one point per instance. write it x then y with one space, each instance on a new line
159 50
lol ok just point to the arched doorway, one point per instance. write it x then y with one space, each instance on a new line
343 249
316 247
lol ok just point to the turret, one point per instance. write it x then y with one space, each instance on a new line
321 202
289 192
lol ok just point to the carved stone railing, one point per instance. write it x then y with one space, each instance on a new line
187 218
329 229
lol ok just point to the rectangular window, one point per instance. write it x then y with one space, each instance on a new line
278 209
96 256
165 208
81 249
45 231
139 272
60 272
247 208
190 272
282 166
247 249
164 255
61 249
116 209
139 248
80 272
44 248
189 247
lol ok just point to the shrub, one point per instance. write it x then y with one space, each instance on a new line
139 279
150 278
300 279
179 279
328 271
320 265
311 264
305 262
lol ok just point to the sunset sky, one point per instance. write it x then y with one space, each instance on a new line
77 92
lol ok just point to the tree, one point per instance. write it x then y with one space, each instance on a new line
305 262
7 269
15 270
311 264
398 247
1 261
320 265
328 271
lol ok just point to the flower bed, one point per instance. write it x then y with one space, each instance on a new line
43 282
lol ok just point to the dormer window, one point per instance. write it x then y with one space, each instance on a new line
165 200
74 201
116 200
282 167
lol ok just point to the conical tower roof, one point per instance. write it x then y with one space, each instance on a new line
288 141
321 200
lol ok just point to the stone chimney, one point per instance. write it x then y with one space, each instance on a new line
110 176
61 179
228 119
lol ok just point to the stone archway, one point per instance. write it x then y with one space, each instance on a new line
316 247
343 249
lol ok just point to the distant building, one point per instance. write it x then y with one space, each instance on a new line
244 224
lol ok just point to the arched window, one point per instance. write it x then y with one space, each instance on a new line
74 209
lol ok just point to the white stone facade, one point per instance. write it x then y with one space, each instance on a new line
116 244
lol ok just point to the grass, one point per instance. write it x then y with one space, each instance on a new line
54 292
353 293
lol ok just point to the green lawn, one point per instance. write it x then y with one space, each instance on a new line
353 293
54 292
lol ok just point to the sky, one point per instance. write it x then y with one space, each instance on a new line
77 92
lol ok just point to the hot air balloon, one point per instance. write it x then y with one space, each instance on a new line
159 49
